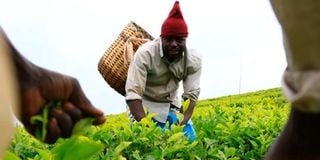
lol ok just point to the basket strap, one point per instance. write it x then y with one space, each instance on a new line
185 71
128 49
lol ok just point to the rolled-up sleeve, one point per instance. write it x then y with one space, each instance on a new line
191 83
302 89
137 74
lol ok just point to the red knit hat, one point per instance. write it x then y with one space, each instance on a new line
174 25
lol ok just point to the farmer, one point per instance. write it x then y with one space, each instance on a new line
300 23
35 87
156 70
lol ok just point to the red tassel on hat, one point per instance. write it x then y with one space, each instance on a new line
174 25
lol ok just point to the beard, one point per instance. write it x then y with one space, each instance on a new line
173 54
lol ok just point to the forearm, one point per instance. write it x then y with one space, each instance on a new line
188 113
136 109
25 70
299 138
302 127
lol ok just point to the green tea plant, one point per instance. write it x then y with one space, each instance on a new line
236 127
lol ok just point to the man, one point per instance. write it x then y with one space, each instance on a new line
300 23
34 87
156 70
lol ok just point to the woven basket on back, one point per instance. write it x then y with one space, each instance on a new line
114 64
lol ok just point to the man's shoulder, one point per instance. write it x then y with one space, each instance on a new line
148 50
150 46
194 57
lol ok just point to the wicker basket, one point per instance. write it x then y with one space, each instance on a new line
114 64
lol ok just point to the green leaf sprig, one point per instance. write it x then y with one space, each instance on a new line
41 120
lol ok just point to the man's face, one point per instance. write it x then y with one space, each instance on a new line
173 47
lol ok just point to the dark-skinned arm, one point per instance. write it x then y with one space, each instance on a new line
38 86
188 113
299 138
136 109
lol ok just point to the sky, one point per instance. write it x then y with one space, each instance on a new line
240 41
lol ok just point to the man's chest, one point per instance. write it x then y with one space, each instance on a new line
162 73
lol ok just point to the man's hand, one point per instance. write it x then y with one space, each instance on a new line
55 86
38 86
